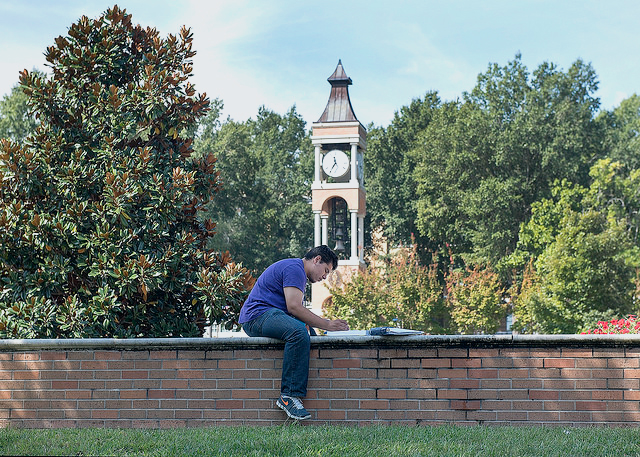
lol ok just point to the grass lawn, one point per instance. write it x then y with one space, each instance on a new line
294 440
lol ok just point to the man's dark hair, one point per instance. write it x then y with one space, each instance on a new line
326 254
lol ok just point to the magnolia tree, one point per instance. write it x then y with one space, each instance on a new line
100 233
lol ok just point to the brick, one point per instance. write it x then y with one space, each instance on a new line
229 404
483 373
457 394
376 363
26 375
576 352
64 385
559 363
628 373
422 373
53 355
623 363
545 353
161 393
544 395
497 362
591 406
466 404
528 363
591 363
333 374
591 384
529 405
421 394
391 394
130 394
607 395
483 353
575 395
543 416
70 394
436 363
405 363
452 353
544 372
333 354
245 393
137 374
402 383
464 383
392 353
374 404
26 356
529 384
94 365
466 363
107 355
513 394
623 383
349 363
632 395
175 364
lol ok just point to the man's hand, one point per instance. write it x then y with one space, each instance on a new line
336 325
295 308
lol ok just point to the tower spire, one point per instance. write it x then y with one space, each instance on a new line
339 107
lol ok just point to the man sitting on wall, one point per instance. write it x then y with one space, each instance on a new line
274 309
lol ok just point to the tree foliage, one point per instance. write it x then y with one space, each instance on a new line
581 254
99 227
481 163
475 300
393 290
16 119
266 166
391 190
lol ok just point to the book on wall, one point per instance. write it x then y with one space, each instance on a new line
377 331
387 331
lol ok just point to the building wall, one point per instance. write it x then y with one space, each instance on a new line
578 380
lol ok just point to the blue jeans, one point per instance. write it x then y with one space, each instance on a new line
275 323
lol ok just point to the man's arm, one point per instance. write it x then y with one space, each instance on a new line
294 297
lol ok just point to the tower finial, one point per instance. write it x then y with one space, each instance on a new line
339 107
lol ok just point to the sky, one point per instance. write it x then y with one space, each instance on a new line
279 53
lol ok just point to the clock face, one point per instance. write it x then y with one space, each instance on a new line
335 163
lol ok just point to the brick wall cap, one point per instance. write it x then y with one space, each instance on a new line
502 340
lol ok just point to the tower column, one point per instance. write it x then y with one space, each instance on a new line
325 229
354 163
317 229
317 172
361 238
354 235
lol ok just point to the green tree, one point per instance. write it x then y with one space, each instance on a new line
581 254
16 119
99 234
266 167
586 274
482 162
622 132
391 189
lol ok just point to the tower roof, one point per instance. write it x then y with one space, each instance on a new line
339 105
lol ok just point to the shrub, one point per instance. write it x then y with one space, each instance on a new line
475 300
392 291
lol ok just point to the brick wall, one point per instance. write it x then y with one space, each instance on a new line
574 380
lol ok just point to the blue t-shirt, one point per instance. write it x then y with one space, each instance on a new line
268 292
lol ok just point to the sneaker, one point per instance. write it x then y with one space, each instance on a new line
293 407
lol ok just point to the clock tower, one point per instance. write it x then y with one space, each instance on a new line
337 193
